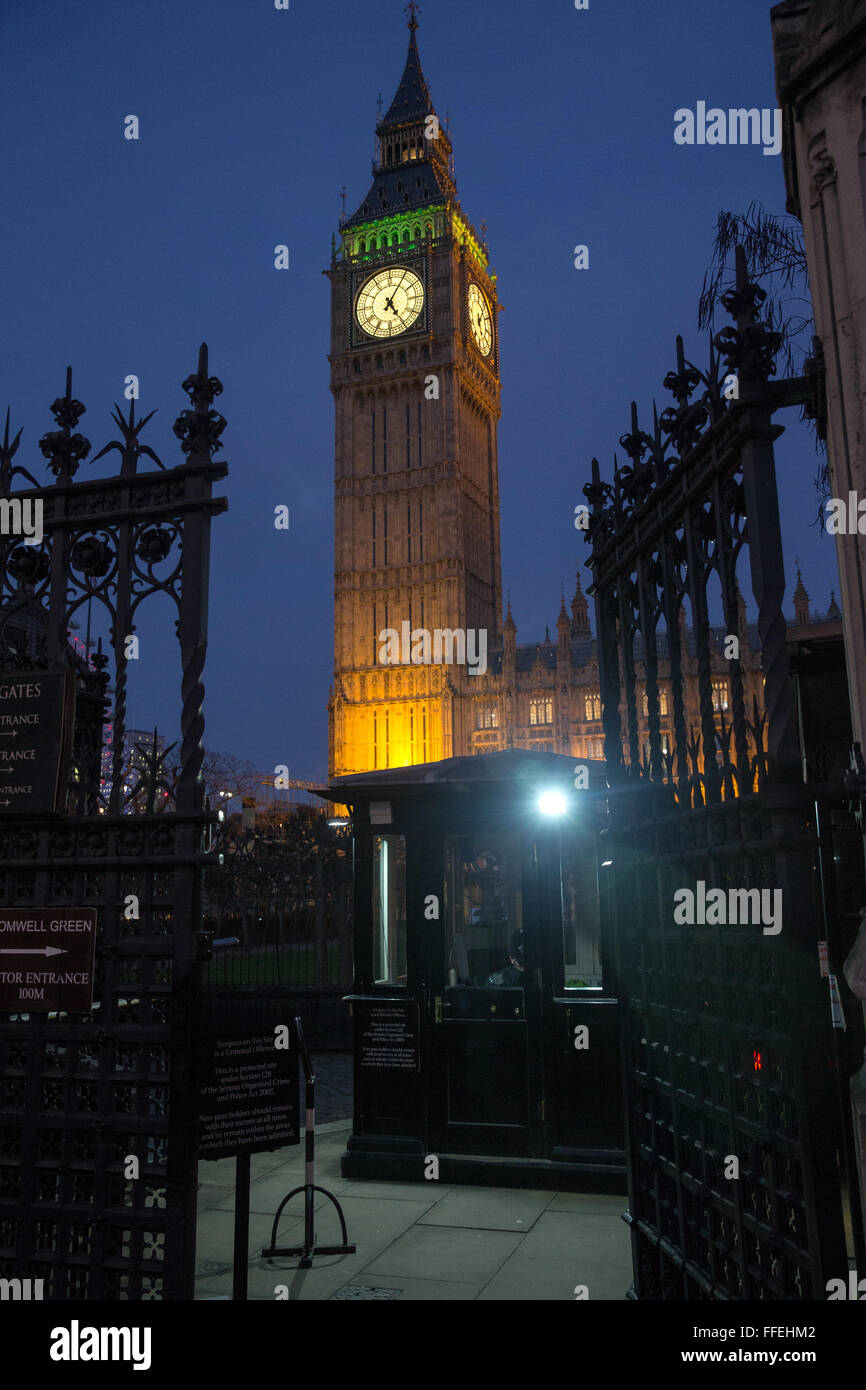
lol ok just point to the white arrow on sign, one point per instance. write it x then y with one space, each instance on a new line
32 951
7 802
8 733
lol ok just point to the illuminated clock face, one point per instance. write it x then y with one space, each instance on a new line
389 302
479 320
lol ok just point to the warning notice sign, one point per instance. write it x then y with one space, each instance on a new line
249 1095
46 959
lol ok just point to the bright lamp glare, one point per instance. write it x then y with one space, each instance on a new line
552 804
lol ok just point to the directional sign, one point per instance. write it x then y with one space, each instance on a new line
35 721
46 959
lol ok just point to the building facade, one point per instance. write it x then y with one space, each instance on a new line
820 58
820 53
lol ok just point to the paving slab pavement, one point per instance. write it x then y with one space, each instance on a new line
416 1241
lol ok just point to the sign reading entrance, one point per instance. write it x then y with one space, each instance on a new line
248 1095
389 1036
46 959
34 723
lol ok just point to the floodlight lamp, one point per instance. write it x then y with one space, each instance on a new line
552 803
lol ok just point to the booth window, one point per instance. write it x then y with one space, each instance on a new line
483 907
389 910
581 945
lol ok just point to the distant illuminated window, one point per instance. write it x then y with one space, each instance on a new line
663 702
720 695
541 710
592 705
595 748
487 715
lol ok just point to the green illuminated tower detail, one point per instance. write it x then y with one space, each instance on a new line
415 378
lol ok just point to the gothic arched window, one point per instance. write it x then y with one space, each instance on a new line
541 710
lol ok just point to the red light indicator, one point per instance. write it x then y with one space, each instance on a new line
757 1057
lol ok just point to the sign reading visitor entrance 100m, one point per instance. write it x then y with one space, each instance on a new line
46 959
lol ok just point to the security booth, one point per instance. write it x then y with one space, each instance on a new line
484 1035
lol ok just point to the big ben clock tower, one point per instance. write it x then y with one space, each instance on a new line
415 378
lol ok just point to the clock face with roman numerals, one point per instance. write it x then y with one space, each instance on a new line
479 320
389 302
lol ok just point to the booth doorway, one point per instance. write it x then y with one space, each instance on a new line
517 973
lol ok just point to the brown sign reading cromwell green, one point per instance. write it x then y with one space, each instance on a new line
46 959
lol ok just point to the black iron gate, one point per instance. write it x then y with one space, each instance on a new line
733 1130
97 1158
738 1146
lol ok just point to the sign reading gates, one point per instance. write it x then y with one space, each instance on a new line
35 724
389 1036
46 959
248 1095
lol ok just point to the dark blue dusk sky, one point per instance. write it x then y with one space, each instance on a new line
121 256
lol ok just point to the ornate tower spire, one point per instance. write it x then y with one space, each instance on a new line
413 166
580 611
412 100
563 632
801 601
